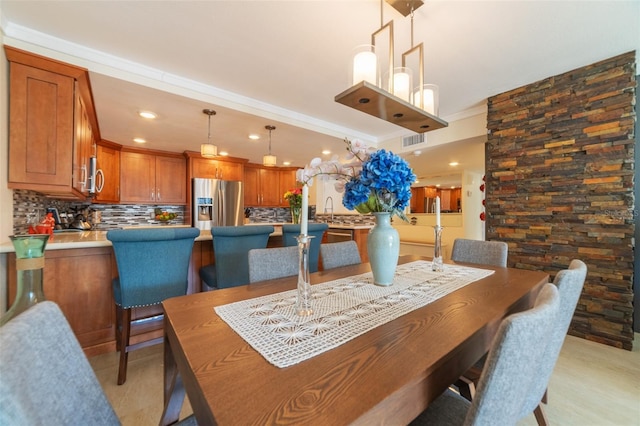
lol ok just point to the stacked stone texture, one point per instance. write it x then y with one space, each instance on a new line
559 186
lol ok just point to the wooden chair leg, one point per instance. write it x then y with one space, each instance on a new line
540 416
545 396
118 327
125 320
466 388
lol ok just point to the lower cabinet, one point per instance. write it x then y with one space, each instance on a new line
79 281
360 236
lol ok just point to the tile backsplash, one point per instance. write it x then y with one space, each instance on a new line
27 204
32 205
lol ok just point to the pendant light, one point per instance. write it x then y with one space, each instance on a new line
393 97
269 160
208 150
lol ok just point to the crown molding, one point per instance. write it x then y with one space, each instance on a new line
116 67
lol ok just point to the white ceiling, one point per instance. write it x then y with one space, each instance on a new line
282 62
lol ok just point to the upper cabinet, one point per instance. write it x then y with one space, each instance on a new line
152 178
287 183
107 173
265 186
224 168
261 186
53 126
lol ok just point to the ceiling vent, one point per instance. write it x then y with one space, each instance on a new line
414 142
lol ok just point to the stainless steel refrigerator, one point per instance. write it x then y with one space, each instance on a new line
216 203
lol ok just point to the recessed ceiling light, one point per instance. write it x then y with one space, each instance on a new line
139 140
254 137
453 163
147 114
326 152
223 153
286 163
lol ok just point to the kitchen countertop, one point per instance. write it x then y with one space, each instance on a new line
349 226
84 239
89 239
334 225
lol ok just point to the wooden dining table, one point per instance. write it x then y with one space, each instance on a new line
387 375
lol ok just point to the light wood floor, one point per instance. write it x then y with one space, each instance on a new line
592 385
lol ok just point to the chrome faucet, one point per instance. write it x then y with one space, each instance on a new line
325 206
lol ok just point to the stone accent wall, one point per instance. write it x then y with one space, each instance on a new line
559 186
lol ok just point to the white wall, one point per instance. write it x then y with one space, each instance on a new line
471 202
324 190
6 195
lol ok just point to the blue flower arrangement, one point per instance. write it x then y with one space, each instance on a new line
372 181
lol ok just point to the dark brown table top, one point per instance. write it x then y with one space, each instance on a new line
386 376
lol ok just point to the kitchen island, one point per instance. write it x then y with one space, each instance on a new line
79 268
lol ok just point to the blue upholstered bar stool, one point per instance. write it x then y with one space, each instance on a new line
153 265
316 230
231 245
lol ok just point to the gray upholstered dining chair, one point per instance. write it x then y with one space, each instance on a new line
153 265
492 253
45 377
344 253
480 252
271 263
315 230
510 376
231 245
569 283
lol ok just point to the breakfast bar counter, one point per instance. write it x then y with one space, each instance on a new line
92 239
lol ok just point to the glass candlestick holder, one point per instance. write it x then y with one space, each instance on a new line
303 297
437 264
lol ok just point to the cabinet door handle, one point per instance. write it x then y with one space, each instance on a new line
158 192
153 195
99 180
83 176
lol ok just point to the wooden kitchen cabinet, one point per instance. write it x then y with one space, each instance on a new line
287 183
52 126
108 172
262 186
216 169
84 145
417 200
79 281
152 178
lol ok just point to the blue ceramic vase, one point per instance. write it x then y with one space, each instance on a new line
383 248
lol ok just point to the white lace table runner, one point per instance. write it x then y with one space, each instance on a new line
342 310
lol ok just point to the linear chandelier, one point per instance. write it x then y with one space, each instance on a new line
391 96
208 150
